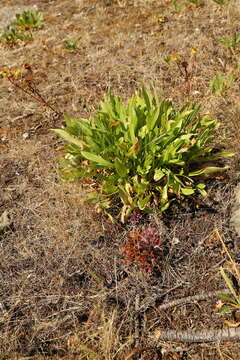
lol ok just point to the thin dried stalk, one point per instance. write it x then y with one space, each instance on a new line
192 299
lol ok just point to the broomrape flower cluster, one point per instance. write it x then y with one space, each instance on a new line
143 247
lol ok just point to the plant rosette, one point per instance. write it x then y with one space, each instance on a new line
142 153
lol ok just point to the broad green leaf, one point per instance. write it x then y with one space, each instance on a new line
208 170
147 98
105 204
132 120
212 169
164 193
219 155
202 192
158 175
177 162
93 197
110 188
197 172
97 159
152 119
217 85
71 139
142 203
187 191
143 132
165 206
121 168
200 188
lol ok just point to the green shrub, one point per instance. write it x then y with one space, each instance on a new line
143 153
221 2
20 29
221 85
196 2
233 42
71 44
29 19
12 36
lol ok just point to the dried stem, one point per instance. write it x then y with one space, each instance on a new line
191 299
32 93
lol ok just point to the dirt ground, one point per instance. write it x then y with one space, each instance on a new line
65 292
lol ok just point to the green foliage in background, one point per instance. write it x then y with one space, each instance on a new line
142 152
12 36
221 2
196 2
29 19
220 85
71 44
229 302
20 29
231 42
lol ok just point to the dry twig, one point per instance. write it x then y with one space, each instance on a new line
191 299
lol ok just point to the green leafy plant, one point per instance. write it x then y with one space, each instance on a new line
71 44
231 42
11 36
177 7
221 2
196 2
220 85
143 153
29 19
229 303
20 29
167 59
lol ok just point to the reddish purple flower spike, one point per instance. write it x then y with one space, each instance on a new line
143 247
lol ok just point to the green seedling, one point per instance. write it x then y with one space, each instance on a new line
221 2
230 303
177 7
140 153
29 19
220 85
71 44
20 29
11 36
231 42
196 2
167 59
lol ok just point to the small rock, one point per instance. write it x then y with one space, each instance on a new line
25 136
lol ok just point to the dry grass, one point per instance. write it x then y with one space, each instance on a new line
64 291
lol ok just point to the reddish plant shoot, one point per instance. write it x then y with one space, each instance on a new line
144 248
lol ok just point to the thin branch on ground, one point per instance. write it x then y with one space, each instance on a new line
192 299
